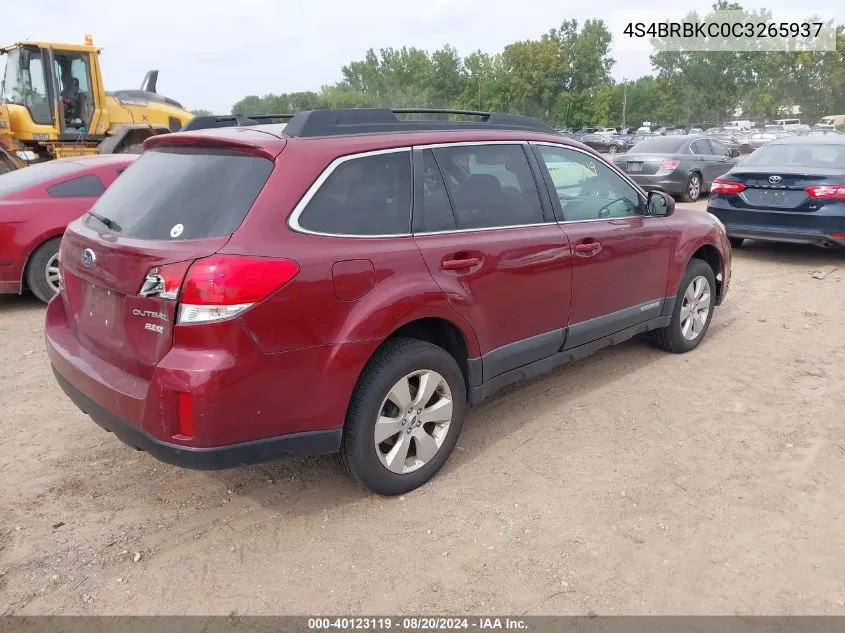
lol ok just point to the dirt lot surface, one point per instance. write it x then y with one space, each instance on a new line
631 482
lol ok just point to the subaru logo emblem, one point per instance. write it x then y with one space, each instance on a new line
88 258
775 180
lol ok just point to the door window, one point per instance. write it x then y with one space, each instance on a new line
700 147
587 188
436 213
490 185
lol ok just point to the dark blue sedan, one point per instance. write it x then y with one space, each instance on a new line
790 190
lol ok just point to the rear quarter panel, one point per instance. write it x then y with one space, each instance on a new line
25 224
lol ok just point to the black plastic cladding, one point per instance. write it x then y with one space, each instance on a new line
347 121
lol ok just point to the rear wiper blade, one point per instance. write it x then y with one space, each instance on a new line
111 224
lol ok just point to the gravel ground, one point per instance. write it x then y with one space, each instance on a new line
631 482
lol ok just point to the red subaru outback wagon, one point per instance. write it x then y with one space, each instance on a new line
349 282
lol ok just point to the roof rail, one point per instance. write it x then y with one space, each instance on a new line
231 120
371 120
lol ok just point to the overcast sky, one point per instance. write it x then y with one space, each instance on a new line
212 53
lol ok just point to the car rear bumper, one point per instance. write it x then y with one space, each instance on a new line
775 225
248 407
776 235
213 458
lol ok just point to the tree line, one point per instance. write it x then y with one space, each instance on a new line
564 78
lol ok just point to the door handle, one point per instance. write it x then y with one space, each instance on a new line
459 264
588 248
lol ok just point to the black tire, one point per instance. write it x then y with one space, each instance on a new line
745 149
394 360
736 242
612 150
36 269
692 191
671 338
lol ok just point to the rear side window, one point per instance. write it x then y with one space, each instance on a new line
183 194
700 146
436 213
88 186
490 185
20 179
365 195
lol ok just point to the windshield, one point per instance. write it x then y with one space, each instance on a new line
24 83
661 145
798 155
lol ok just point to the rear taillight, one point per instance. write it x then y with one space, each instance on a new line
670 164
726 186
826 192
223 286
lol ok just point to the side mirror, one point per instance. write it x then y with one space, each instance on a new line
660 204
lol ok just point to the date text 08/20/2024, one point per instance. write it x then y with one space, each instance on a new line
414 624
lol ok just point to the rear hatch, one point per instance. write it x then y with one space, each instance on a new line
123 263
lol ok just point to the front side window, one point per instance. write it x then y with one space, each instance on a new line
490 185
364 195
587 188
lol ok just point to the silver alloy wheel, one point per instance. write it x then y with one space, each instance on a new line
695 308
413 421
612 149
694 187
52 273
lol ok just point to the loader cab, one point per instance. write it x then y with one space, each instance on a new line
60 88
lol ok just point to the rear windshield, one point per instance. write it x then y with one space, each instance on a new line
662 145
182 194
20 179
799 155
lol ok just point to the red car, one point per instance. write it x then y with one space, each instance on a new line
36 204
352 283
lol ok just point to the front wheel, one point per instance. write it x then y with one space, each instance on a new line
693 311
612 149
404 417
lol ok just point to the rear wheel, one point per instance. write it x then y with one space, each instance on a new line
404 417
42 271
692 191
693 311
736 242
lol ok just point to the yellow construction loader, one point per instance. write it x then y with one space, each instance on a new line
53 105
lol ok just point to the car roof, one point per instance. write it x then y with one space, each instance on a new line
360 129
827 139
272 139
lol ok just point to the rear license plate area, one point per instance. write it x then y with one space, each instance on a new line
635 168
100 311
776 198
